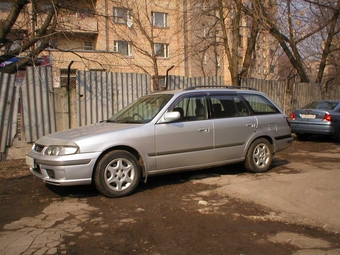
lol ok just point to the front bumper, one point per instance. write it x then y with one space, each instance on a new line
67 170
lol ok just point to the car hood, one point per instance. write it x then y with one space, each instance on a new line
71 136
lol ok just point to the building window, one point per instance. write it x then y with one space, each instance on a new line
161 50
64 77
5 6
84 13
217 36
121 15
52 44
123 47
159 19
204 58
45 7
89 45
218 60
15 45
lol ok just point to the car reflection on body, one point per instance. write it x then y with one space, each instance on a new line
319 117
161 133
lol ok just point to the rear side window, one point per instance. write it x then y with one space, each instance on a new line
259 104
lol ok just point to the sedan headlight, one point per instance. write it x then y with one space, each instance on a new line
58 150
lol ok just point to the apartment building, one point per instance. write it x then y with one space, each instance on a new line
130 36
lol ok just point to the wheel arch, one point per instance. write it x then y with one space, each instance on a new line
267 137
129 149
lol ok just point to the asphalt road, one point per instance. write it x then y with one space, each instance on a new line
292 209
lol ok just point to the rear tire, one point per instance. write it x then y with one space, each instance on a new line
259 156
117 174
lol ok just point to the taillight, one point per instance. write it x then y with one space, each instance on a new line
292 116
327 117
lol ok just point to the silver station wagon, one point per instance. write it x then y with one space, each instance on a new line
161 133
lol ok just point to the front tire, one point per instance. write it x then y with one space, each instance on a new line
117 174
259 156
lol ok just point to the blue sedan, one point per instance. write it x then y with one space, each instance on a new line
318 117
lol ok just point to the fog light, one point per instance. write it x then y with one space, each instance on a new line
50 173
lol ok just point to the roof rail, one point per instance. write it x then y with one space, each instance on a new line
240 87
219 86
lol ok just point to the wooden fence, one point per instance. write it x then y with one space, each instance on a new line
98 95
290 96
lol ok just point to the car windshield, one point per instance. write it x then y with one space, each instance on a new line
143 110
322 105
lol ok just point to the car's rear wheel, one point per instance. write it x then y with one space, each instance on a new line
259 156
117 174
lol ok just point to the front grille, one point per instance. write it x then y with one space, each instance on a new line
38 147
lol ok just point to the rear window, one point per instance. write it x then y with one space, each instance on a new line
259 104
322 105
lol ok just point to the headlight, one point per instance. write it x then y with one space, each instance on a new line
56 150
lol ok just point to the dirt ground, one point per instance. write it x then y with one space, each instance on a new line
167 215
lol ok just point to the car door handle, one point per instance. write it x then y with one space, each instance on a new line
250 125
206 130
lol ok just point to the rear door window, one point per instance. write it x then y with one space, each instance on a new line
226 106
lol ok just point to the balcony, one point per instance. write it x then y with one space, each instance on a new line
78 23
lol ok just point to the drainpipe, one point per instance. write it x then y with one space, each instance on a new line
69 93
167 74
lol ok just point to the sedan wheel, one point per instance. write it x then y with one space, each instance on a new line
259 156
117 174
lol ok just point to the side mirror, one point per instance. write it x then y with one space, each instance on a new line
169 117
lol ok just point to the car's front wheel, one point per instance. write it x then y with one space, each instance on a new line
117 174
259 156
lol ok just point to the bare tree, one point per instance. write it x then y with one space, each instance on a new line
302 27
8 23
332 29
149 33
28 37
203 53
238 28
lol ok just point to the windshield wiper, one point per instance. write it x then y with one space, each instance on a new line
123 121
